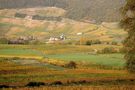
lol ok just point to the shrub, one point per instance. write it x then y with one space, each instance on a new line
130 65
3 41
71 64
82 82
20 15
96 42
35 84
15 58
4 86
114 43
88 42
77 42
109 50
122 50
57 83
37 17
79 82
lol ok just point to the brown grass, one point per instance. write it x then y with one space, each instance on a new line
131 87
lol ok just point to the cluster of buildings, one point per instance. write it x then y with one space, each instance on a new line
22 40
30 39
56 39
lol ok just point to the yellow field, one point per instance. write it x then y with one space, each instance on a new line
25 57
22 64
131 87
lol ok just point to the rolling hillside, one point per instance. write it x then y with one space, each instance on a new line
15 27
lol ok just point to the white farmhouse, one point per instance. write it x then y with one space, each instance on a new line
80 33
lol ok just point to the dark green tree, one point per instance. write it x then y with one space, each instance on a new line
128 22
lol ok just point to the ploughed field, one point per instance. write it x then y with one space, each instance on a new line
23 66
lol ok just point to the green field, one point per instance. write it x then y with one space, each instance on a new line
65 53
21 64
19 52
116 60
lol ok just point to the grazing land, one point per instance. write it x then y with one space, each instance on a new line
23 64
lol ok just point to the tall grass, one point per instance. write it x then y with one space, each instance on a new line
117 87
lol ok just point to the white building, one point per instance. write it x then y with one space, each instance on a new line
53 40
28 17
80 33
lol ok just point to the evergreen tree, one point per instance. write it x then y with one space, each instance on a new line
128 22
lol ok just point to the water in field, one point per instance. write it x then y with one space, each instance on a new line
36 63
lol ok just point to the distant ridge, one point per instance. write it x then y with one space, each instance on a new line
99 10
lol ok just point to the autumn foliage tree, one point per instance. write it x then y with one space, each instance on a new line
128 22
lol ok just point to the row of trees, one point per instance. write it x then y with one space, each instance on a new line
38 17
20 15
84 41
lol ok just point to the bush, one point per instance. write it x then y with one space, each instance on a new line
77 42
130 65
88 42
91 42
20 15
3 41
114 43
4 86
37 17
122 50
57 83
96 42
71 64
35 84
78 82
109 50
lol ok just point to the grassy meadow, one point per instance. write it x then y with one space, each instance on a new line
102 59
22 64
